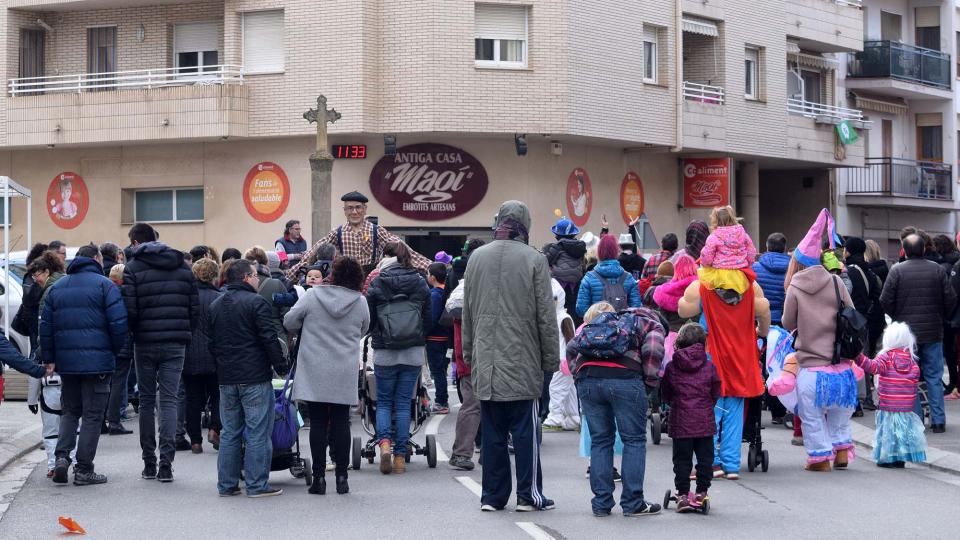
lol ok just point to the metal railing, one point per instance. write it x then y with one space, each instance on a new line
851 3
895 177
118 80
901 61
703 93
813 110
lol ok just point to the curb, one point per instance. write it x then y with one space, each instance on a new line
19 454
938 460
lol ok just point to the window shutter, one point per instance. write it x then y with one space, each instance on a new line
928 16
650 33
929 119
500 22
195 37
263 41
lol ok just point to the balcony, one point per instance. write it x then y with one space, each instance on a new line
825 25
140 105
900 70
905 183
825 114
702 93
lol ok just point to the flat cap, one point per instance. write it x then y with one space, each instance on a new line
355 196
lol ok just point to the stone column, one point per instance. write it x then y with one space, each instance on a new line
321 178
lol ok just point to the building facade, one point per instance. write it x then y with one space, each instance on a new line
189 115
904 82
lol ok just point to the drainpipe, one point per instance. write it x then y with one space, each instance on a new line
678 77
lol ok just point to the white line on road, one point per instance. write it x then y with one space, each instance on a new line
26 431
470 484
535 532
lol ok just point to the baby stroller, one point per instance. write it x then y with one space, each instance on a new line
285 436
658 415
419 411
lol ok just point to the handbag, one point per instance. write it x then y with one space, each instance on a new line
285 425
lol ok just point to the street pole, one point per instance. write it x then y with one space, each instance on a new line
321 170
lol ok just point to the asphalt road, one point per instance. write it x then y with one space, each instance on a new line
862 502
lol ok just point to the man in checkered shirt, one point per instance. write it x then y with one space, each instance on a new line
355 238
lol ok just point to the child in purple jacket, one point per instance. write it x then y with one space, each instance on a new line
691 387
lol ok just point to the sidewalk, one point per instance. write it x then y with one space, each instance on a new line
19 431
943 453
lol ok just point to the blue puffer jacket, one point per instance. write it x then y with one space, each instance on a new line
771 270
591 288
84 322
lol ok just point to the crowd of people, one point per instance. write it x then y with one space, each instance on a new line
584 334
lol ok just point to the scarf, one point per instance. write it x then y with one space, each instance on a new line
511 229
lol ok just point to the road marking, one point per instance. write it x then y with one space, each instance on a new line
534 531
26 431
470 484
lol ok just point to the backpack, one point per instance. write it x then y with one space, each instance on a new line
851 330
608 336
874 287
401 322
614 292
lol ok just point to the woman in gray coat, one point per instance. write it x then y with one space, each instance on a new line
333 318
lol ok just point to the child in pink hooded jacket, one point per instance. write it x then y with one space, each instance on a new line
728 247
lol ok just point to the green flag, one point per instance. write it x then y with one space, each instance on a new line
846 132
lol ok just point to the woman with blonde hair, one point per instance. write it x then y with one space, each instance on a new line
199 366
875 261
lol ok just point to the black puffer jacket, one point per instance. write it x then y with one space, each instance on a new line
161 295
243 338
198 360
880 268
918 292
391 281
29 312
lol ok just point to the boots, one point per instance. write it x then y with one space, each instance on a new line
820 466
386 467
399 465
840 462
319 485
342 486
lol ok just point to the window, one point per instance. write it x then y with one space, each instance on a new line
195 47
811 86
3 218
101 55
751 73
928 27
31 52
930 137
650 51
179 204
500 36
890 26
263 42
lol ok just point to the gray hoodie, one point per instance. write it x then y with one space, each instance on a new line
333 321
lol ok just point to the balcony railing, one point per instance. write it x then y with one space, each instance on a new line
814 110
901 61
703 93
118 80
894 177
851 3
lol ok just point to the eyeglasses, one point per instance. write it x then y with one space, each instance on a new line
353 209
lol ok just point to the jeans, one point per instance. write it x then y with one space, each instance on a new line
728 413
624 401
468 420
246 411
521 421
182 408
931 368
683 451
158 369
438 362
82 396
395 387
201 389
331 423
118 394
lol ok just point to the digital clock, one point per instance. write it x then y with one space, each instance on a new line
350 151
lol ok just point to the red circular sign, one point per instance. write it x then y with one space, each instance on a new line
429 182
579 196
266 192
631 197
67 200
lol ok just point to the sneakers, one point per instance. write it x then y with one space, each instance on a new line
88 478
399 464
235 490
551 427
182 443
842 459
732 476
683 504
60 471
196 448
938 428
386 463
892 465
648 509
530 506
165 474
118 429
489 508
149 471
213 437
777 420
462 463
439 409
820 466
698 500
796 441
269 492
717 471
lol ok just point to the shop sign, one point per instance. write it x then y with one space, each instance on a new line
579 196
631 197
67 200
429 182
706 182
266 192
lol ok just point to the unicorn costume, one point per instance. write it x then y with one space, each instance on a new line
564 407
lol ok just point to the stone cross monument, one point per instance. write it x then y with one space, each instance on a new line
321 169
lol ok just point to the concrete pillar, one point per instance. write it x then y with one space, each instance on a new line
748 200
321 168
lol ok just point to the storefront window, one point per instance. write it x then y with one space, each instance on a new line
182 204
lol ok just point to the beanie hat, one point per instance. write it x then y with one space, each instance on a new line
442 257
273 260
608 248
855 245
808 251
565 227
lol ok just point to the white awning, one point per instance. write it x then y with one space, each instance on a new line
793 48
812 60
879 104
700 26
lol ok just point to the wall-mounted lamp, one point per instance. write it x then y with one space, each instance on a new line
141 33
389 145
521 142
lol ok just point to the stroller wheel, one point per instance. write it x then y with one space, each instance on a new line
666 499
655 427
752 458
764 461
706 506
356 453
432 451
298 468
307 471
